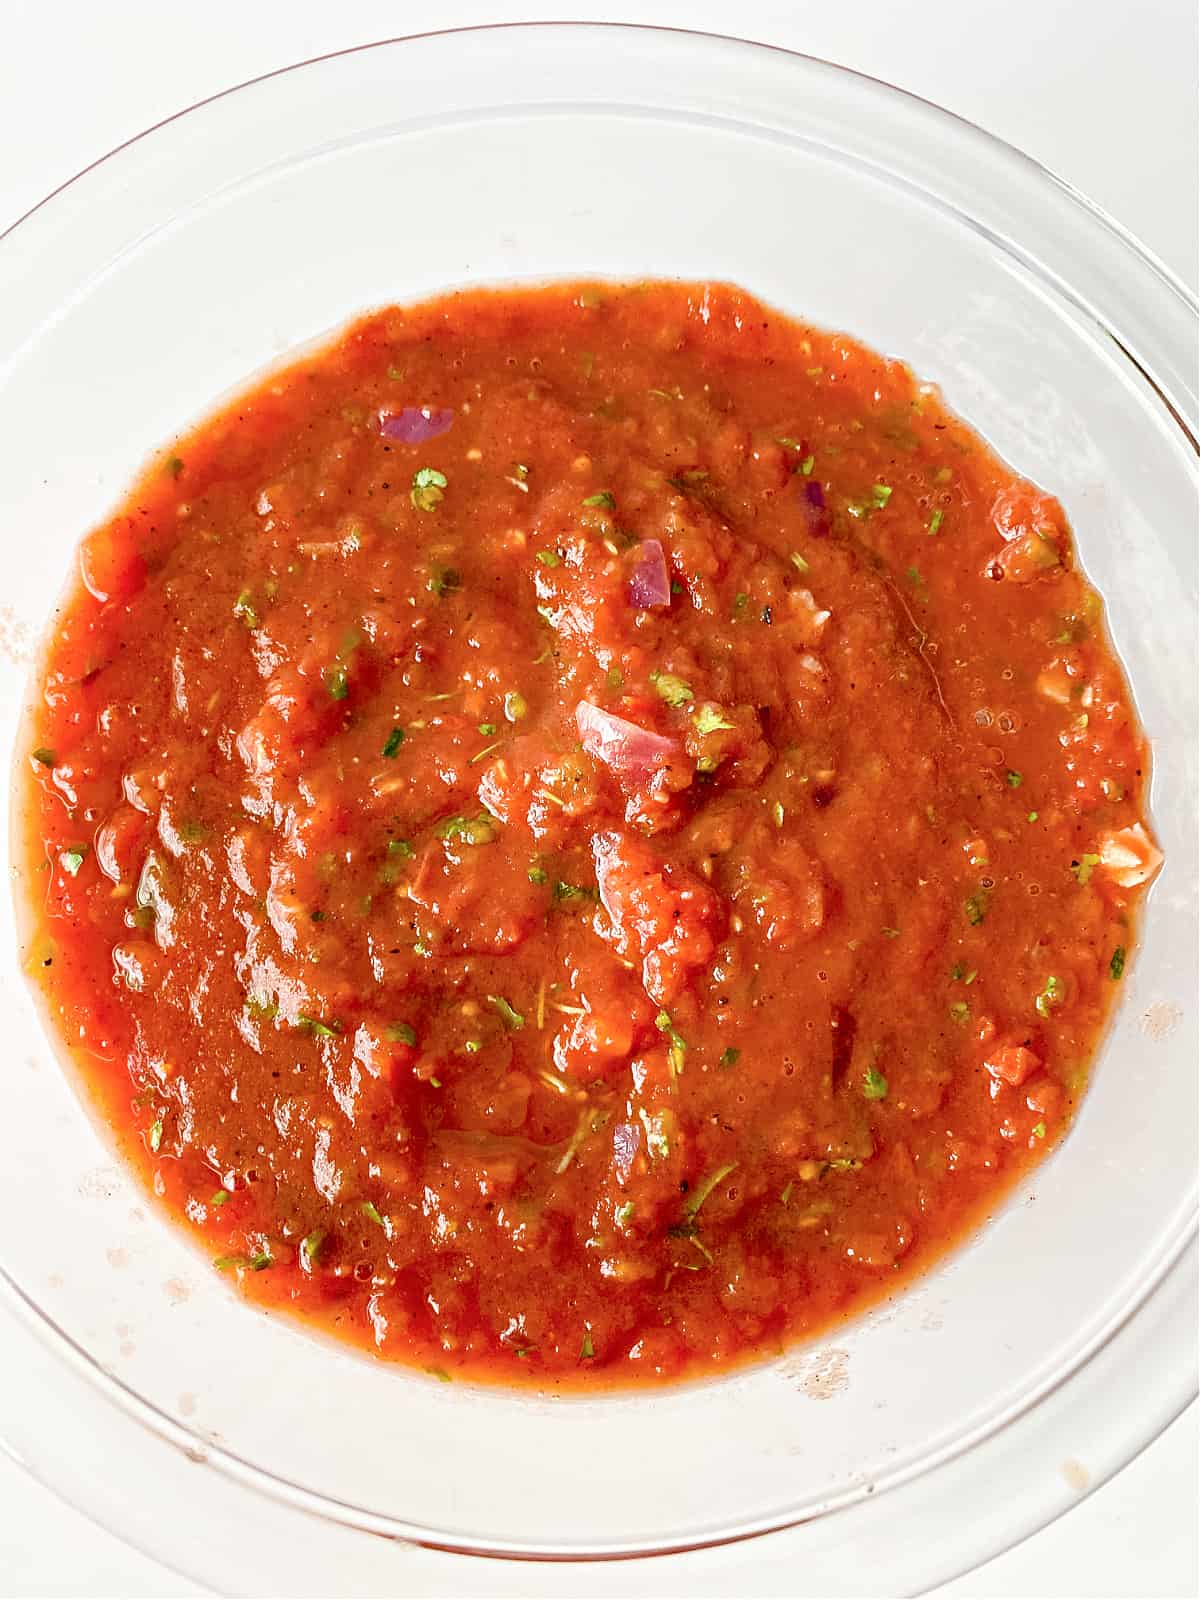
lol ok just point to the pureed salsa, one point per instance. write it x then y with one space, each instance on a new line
581 834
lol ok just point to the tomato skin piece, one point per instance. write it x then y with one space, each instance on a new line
1012 1064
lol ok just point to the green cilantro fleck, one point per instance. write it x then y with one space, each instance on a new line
1013 779
586 1349
549 558
1117 965
71 860
45 756
806 466
371 1212
401 1033
960 1011
394 740
1039 1130
710 719
624 1213
935 521
219 1198
244 607
881 493
604 498
671 689
509 1015
538 874
875 1085
614 678
428 487
1031 817
729 1057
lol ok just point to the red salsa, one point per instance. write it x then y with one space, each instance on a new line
579 835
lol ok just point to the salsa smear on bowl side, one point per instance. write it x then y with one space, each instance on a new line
581 834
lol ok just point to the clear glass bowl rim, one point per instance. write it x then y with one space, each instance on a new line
1175 387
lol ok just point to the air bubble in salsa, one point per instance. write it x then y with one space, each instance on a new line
580 835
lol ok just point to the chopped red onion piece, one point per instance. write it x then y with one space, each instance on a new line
649 580
415 424
815 494
634 754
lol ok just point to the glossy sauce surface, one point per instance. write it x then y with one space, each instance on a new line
579 835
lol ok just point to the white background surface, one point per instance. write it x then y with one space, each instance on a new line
1102 91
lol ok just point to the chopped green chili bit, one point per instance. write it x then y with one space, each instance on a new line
677 1049
1051 995
624 1213
806 466
468 830
1039 1130
71 860
875 1085
401 1033
443 581
371 1212
248 1263
604 498
219 1197
428 488
509 1014
1116 966
538 874
705 1187
45 756
244 607
587 1349
798 561
1013 779
881 493
1082 868
156 1133
729 1057
394 740
337 681
935 521
515 706
671 689
975 907
548 558
960 1011
318 1029
311 1248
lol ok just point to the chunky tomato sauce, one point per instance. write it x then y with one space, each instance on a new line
581 834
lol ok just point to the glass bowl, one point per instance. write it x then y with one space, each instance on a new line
949 1422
